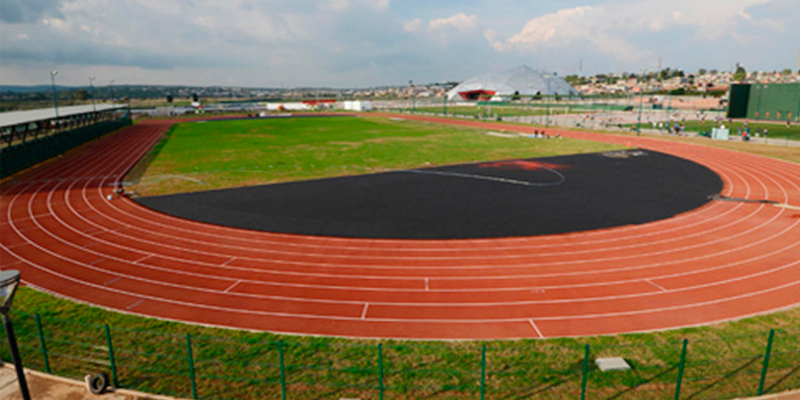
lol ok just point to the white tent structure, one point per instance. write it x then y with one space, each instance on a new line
522 81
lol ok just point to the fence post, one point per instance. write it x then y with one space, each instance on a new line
483 372
766 362
190 359
111 357
42 344
380 370
585 371
680 370
283 371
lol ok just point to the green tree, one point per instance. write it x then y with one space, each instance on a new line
740 74
80 95
787 71
701 71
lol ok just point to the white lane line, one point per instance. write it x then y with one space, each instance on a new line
535 328
661 288
787 206
232 286
427 284
364 313
228 262
135 304
493 178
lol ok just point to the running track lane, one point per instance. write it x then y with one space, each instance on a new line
723 261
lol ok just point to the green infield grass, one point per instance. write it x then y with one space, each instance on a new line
196 156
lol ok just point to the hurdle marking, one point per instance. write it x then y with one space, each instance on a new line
364 313
232 286
656 285
535 328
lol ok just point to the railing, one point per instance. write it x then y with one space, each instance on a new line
246 365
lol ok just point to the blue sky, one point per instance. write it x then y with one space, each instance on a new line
361 43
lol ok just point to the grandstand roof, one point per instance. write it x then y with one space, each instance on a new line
522 80
14 118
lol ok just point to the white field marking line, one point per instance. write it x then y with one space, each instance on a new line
787 206
427 284
302 300
338 243
232 286
309 316
364 313
428 249
656 285
429 257
99 260
676 238
209 234
638 244
536 328
229 261
491 178
112 281
263 283
324 275
135 304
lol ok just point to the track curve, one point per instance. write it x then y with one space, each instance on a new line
723 261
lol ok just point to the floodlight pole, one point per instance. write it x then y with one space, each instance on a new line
413 98
547 104
10 279
53 74
91 85
641 101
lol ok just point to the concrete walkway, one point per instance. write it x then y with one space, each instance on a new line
48 387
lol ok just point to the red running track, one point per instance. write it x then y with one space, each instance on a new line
723 261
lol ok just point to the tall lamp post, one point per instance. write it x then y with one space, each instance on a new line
91 85
413 97
111 87
9 280
53 74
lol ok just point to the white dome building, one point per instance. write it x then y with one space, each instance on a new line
521 81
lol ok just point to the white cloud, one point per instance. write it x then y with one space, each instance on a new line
413 25
445 31
58 24
611 29
460 22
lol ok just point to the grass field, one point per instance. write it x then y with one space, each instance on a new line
723 360
210 155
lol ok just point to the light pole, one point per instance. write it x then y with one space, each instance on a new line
641 100
53 74
111 87
9 280
413 97
547 106
91 85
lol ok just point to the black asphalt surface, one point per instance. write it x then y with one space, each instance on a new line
484 200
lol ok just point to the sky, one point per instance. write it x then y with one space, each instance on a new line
364 43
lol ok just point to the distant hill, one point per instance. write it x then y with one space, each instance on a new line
31 89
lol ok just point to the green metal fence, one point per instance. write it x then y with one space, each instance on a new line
241 367
25 155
